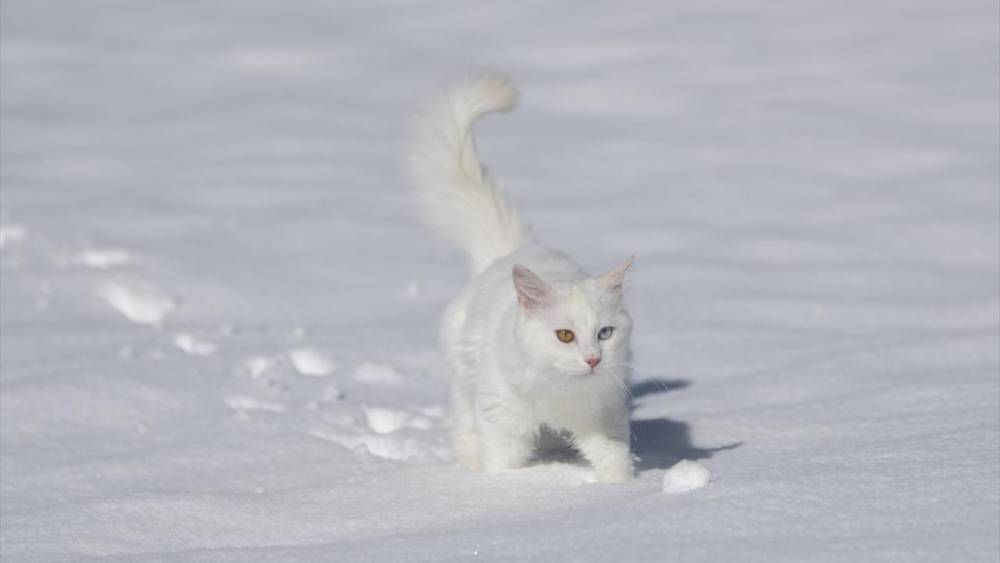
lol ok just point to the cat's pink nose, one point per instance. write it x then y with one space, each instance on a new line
593 361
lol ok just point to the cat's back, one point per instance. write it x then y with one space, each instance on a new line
494 287
490 296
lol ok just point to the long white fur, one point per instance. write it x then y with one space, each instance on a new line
511 375
456 194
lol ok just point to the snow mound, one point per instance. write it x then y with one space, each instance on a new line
309 361
242 404
684 476
11 233
144 304
103 259
193 345
387 421
384 421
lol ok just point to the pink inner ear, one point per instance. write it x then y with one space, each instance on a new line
532 292
616 278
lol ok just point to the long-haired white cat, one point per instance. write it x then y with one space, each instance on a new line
532 340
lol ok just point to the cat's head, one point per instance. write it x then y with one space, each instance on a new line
578 328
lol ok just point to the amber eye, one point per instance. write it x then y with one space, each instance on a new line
564 335
606 332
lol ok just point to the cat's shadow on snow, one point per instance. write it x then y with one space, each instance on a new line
659 443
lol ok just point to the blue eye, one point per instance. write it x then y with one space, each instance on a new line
606 332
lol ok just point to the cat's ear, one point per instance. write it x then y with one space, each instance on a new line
532 292
615 279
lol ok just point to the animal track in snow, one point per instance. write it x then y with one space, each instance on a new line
193 345
309 361
140 303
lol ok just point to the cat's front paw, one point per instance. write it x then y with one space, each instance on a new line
468 460
616 471
611 459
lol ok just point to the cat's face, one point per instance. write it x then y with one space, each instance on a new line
579 329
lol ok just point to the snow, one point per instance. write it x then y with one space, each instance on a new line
243 404
309 361
11 233
258 366
331 393
810 190
372 373
103 258
386 421
146 304
684 476
194 345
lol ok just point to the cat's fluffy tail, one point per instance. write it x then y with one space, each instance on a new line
456 193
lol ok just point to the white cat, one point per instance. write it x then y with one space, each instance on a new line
532 341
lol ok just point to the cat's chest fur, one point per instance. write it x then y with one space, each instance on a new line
480 332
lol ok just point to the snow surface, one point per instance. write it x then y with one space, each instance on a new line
103 258
11 233
810 188
193 345
309 361
144 303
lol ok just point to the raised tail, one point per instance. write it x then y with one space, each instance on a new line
456 194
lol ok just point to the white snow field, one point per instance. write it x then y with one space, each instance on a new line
219 312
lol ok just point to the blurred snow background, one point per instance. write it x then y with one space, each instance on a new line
219 314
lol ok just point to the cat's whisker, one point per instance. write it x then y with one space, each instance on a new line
622 386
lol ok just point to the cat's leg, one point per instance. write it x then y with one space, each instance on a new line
611 457
464 431
606 446
505 448
507 435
